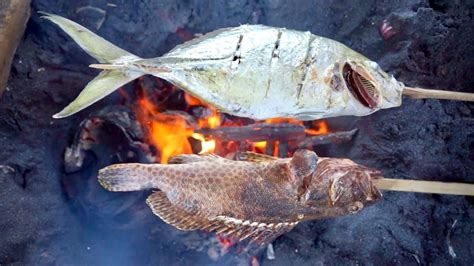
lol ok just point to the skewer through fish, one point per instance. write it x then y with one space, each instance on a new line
253 71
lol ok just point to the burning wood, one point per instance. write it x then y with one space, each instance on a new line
277 136
256 132
13 17
98 128
333 137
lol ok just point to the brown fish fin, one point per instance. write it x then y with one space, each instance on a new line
192 158
255 157
257 233
173 215
267 236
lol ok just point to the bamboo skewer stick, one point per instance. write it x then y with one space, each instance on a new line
425 186
419 93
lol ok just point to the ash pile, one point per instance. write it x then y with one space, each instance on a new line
54 211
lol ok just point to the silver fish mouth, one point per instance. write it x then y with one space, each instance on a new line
362 89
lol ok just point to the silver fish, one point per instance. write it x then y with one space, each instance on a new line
250 71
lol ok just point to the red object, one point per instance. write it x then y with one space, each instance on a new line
387 30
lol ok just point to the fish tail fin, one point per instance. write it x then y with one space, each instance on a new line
96 46
112 58
102 85
126 177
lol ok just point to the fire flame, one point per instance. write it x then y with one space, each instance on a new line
167 132
170 133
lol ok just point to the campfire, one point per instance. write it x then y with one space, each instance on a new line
54 211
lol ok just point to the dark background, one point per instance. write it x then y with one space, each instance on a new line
424 139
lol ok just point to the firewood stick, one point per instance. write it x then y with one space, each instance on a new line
419 93
425 186
256 132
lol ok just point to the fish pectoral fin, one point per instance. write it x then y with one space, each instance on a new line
256 233
192 158
174 215
255 157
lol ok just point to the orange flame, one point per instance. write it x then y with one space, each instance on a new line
207 146
192 101
318 127
169 133
212 121
321 128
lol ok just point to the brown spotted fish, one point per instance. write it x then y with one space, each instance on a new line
258 198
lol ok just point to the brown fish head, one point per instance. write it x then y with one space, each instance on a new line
372 87
339 187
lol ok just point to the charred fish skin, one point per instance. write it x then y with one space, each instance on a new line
250 71
261 197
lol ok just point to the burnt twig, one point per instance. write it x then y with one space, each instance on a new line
257 132
336 137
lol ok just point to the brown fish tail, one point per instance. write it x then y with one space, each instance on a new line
127 177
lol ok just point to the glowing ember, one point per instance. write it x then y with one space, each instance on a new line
321 128
260 144
192 101
226 243
207 146
213 121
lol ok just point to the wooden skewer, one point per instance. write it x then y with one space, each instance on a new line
419 93
425 186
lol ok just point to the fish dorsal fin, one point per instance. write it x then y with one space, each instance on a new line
255 157
257 233
193 158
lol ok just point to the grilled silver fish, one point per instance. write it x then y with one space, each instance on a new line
250 71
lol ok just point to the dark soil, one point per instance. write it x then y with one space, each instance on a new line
44 221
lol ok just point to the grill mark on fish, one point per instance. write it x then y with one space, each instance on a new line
237 56
234 64
307 63
275 57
